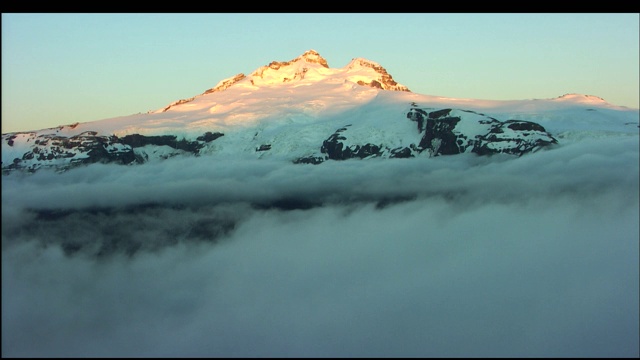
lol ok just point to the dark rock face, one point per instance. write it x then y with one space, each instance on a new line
209 136
442 137
51 150
441 133
137 140
101 152
85 148
333 146
501 138
401 153
418 115
10 140
438 132
336 150
314 160
524 125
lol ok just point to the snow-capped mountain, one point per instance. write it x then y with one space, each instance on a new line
309 211
304 111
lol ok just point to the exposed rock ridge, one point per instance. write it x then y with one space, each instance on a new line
439 135
296 69
63 153
386 80
226 83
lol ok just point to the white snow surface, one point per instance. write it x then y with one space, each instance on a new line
299 103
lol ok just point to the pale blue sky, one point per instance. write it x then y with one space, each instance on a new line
63 68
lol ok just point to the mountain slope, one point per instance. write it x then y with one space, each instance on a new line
304 111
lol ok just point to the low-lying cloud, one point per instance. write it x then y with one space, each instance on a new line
449 256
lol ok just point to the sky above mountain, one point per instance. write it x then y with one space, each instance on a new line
64 68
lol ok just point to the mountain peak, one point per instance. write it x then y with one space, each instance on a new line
309 67
362 62
385 80
312 56
581 98
298 65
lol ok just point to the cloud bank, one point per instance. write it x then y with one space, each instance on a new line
449 256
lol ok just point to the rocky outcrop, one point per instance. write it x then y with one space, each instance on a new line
85 148
439 136
137 140
384 80
63 153
438 132
179 102
442 132
336 150
209 136
442 136
224 84
515 137
310 56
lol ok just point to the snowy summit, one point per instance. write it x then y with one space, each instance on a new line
307 69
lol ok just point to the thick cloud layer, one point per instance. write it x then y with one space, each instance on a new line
448 256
